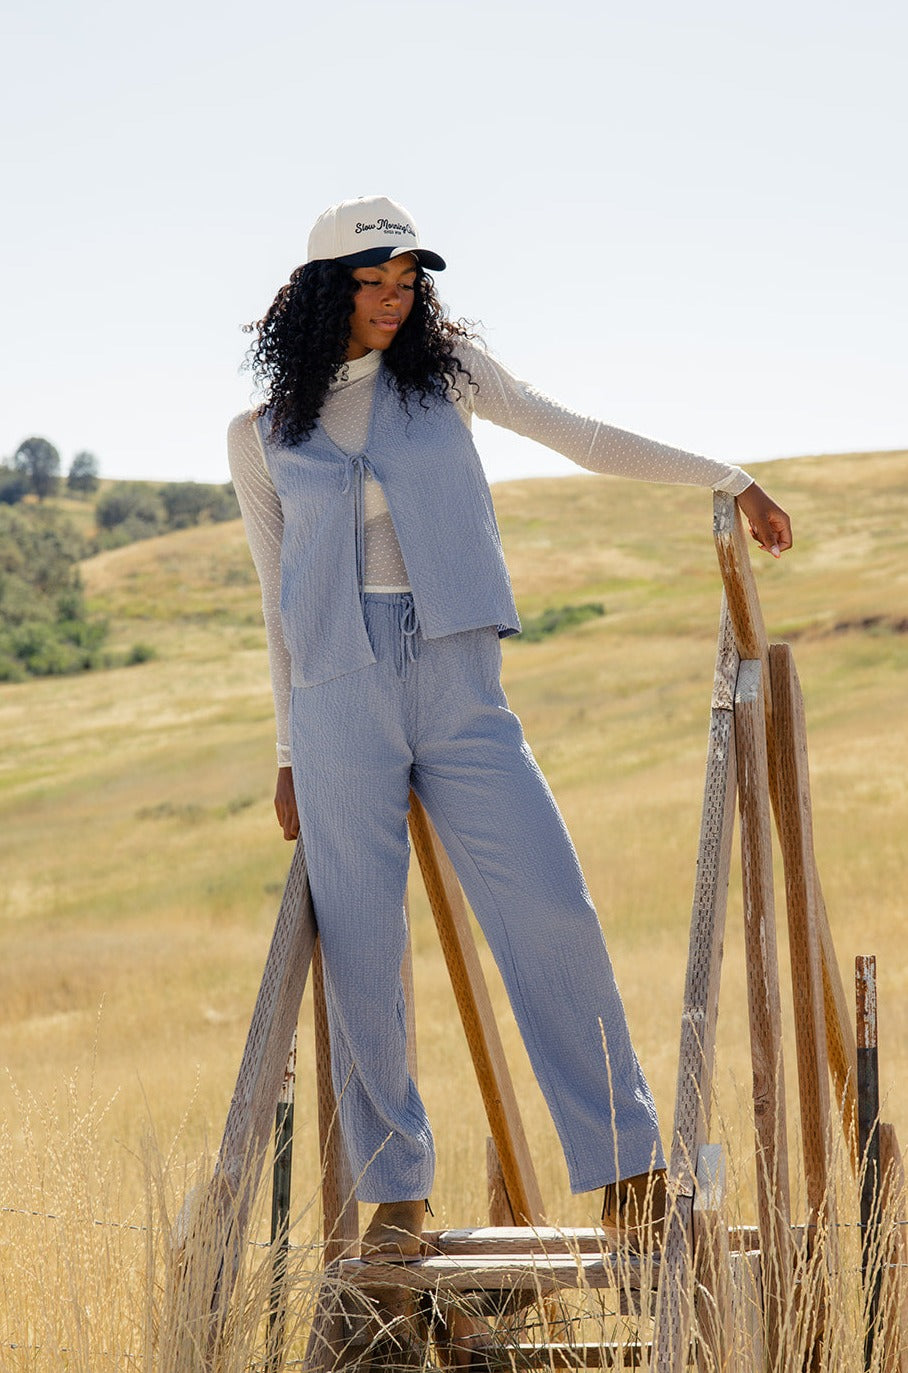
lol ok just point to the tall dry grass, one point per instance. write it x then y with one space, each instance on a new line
142 868
107 1266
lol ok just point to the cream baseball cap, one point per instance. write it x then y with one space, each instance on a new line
367 231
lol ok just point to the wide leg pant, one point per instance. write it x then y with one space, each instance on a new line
431 714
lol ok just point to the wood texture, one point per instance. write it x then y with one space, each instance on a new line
747 1311
789 783
840 1044
281 1180
795 827
671 1327
483 1038
741 594
764 1002
605 1354
873 1237
501 1240
699 1015
249 1120
696 1056
538 1273
750 636
217 1221
894 1288
500 1212
326 1346
712 1300
340 1212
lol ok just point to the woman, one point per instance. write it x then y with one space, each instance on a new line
385 596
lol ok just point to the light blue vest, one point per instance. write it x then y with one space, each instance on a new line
442 512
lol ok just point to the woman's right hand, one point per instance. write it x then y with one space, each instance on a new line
285 804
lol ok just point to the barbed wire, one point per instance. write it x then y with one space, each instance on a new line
120 1225
264 1244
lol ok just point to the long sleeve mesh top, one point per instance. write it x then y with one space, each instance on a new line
496 395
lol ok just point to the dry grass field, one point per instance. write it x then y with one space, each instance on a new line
142 866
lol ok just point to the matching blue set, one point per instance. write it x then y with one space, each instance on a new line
393 691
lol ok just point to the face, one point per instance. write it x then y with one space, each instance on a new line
381 304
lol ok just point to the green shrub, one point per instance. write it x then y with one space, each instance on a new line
44 627
140 653
14 485
84 471
131 503
189 503
558 618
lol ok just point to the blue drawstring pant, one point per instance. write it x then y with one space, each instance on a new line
431 714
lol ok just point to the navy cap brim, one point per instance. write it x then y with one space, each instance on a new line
371 257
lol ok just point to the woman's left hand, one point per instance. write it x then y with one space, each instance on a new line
769 524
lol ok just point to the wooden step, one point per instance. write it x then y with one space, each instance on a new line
629 1355
550 1239
516 1239
469 1272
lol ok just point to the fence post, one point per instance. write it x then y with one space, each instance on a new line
869 1144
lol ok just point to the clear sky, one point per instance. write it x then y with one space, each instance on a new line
687 219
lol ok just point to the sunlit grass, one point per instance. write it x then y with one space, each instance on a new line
142 867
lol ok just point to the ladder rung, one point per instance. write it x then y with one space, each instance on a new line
515 1239
472 1272
602 1355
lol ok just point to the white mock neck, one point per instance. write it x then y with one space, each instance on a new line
356 369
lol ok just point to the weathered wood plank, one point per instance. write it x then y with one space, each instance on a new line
747 1310
627 1354
247 1131
340 1212
840 1042
894 1288
213 1228
696 1056
501 1240
795 828
741 589
540 1273
500 1212
764 1002
872 1237
712 1275
671 1328
750 635
699 1015
480 1027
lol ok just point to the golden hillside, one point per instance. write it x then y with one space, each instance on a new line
142 864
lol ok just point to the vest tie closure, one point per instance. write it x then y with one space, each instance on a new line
356 466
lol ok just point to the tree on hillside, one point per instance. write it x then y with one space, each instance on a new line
189 503
185 503
130 503
40 461
83 473
224 504
14 485
44 627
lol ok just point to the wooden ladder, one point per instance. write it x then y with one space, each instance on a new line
469 1288
757 760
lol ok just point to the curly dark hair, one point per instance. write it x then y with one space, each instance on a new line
302 342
